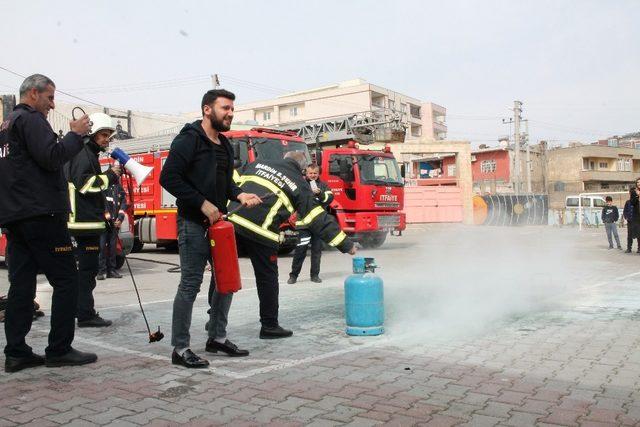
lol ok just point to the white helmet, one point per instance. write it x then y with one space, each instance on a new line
100 121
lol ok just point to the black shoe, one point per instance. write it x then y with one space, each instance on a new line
619 247
292 279
188 359
274 332
114 275
206 326
72 358
610 247
15 364
316 279
628 251
228 347
100 276
94 322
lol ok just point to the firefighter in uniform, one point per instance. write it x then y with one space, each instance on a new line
324 196
89 216
257 229
34 206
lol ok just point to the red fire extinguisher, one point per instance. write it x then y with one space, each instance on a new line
225 257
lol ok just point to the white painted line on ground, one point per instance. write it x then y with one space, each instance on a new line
160 301
118 349
285 365
274 364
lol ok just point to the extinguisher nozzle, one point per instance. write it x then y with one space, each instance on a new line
156 336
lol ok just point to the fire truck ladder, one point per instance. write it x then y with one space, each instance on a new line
367 127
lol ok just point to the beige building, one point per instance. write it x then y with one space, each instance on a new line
423 120
589 168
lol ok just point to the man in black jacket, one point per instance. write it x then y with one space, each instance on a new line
610 216
88 219
34 206
257 230
198 172
324 196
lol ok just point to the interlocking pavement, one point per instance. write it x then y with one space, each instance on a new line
485 326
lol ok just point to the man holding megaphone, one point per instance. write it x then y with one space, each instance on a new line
89 215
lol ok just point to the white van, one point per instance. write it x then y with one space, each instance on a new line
598 202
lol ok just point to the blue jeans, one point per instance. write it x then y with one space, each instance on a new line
611 228
194 248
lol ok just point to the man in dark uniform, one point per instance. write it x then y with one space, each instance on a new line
88 218
634 222
198 172
324 196
116 207
257 230
34 206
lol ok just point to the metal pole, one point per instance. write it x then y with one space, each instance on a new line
516 118
526 124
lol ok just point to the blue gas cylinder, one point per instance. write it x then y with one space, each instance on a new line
364 299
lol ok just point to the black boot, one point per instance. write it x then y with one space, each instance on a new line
274 332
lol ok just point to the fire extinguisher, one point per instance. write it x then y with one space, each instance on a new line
224 255
224 252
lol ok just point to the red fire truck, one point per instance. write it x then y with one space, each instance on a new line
367 185
368 192
155 208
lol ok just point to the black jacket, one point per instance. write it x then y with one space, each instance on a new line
324 198
189 173
627 211
610 214
31 160
287 191
86 191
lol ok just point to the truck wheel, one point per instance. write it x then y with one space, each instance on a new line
137 245
374 240
119 261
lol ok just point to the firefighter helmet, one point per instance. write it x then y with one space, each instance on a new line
100 121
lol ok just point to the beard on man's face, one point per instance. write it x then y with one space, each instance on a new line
218 124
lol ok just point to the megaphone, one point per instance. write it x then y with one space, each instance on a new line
138 171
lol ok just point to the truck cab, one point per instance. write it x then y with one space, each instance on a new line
368 192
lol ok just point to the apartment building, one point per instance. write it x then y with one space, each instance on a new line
492 170
590 168
423 120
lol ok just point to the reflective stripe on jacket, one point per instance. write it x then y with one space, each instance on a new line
286 191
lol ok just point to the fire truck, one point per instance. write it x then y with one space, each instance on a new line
155 209
367 184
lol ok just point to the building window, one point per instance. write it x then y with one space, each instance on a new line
266 115
588 164
392 104
624 164
414 110
488 166
293 111
416 131
451 170
612 142
603 165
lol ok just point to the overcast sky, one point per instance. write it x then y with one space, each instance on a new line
575 65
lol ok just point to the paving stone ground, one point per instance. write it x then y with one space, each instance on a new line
485 326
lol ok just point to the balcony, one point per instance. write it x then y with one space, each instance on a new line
594 175
439 127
